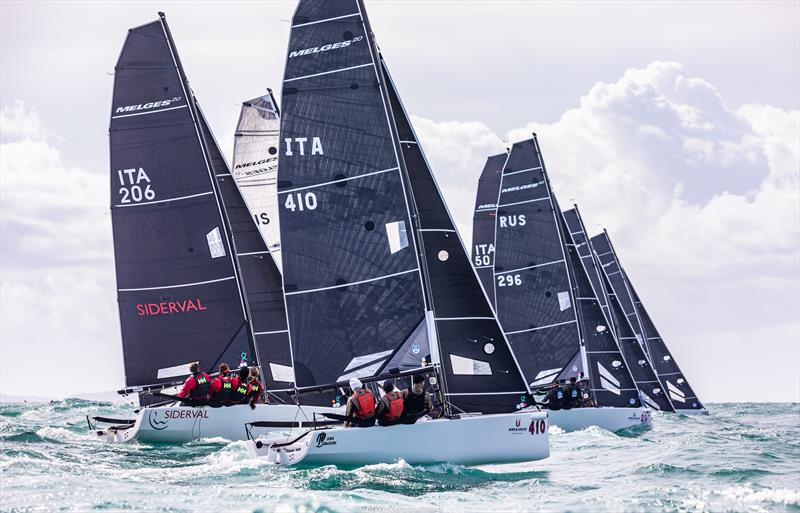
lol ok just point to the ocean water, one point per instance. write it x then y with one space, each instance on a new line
742 457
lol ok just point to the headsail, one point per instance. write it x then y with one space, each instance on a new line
178 286
673 381
483 222
367 287
255 166
632 355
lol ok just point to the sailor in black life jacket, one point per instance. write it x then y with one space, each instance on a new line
360 406
554 399
572 395
416 401
221 387
256 392
197 385
241 388
390 407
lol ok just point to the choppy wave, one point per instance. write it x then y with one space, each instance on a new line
742 457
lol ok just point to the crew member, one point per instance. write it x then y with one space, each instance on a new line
240 390
586 397
554 399
572 395
360 406
221 387
256 389
390 407
197 385
416 401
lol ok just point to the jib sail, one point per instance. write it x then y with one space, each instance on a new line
483 222
178 288
371 261
621 351
673 381
255 166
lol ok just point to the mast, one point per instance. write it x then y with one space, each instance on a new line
193 109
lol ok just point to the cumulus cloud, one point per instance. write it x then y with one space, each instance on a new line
702 200
17 121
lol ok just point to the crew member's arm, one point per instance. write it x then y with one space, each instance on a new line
428 403
352 408
381 407
188 386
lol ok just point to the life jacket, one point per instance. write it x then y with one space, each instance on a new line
239 392
201 385
366 405
395 406
414 404
226 387
255 388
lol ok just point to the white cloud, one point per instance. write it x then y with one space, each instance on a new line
17 121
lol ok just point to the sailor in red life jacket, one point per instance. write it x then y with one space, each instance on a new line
197 385
221 387
360 406
256 391
390 407
241 388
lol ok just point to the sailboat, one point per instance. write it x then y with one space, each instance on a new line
650 390
681 395
543 296
196 281
376 279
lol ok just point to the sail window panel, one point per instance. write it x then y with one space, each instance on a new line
345 113
529 186
331 327
468 367
326 47
281 373
158 246
165 328
526 236
262 284
466 338
523 155
310 11
397 235
455 290
547 348
343 238
215 245
274 350
156 164
529 298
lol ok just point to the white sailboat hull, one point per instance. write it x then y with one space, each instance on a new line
610 419
181 424
483 439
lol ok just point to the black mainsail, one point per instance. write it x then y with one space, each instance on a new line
544 296
673 381
375 276
483 222
632 354
179 289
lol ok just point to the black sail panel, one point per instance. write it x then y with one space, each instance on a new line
632 354
610 378
480 370
531 283
178 293
351 276
673 381
483 222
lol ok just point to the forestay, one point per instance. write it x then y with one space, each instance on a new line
483 222
178 288
374 272
632 355
673 381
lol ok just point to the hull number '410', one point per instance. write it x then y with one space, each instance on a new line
135 186
298 200
509 280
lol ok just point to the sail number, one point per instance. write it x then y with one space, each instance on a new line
509 280
483 254
261 218
135 186
300 201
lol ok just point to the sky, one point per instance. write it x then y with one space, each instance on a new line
674 125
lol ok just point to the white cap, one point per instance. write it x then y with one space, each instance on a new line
355 383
